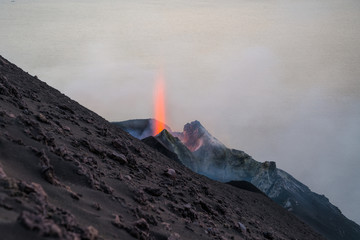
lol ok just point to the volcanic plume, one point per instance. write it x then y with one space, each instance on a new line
159 104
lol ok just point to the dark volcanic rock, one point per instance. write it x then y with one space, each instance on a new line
76 176
156 144
246 186
174 145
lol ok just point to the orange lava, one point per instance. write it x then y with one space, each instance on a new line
159 108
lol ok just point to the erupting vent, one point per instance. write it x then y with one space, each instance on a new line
159 104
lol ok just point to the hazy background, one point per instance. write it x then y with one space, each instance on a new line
277 79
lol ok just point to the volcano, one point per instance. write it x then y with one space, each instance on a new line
197 149
66 173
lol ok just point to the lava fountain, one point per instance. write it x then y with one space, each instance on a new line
159 104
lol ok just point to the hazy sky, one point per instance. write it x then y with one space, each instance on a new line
277 79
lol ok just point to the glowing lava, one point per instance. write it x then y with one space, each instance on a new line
159 108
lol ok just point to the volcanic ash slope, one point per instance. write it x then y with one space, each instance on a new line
67 173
